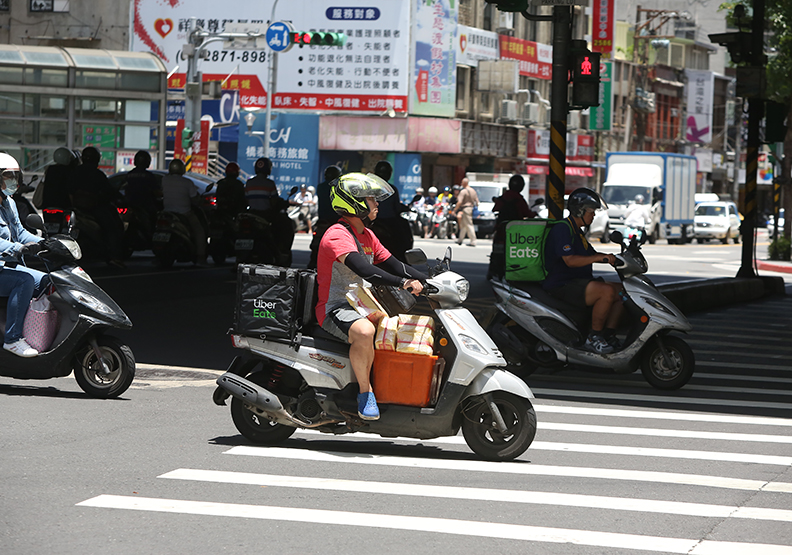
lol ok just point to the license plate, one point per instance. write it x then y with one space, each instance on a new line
161 237
244 244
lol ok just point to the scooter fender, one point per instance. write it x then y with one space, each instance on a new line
495 379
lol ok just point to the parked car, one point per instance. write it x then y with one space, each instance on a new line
599 228
717 220
771 222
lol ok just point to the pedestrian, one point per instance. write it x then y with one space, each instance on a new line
467 200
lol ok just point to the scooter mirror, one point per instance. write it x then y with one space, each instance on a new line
34 221
447 254
293 190
644 237
415 257
616 236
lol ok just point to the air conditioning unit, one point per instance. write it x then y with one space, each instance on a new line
505 20
573 120
530 112
508 110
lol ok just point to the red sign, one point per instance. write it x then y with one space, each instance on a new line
602 27
251 91
178 149
422 86
200 156
536 59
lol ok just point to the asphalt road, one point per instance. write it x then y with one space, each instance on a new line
616 467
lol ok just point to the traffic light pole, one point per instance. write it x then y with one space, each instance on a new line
272 69
562 34
755 114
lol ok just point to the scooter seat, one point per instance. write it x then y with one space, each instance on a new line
324 340
580 315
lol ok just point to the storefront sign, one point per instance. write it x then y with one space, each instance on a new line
489 140
200 156
367 74
536 59
407 174
601 117
434 135
434 29
700 85
474 44
579 148
293 149
602 26
354 133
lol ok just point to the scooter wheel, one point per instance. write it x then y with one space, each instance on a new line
90 375
483 436
256 428
657 370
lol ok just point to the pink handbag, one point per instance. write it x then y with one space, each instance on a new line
41 324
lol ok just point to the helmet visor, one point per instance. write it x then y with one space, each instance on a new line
363 186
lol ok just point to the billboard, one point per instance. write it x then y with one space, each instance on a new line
367 74
474 44
536 59
700 86
434 29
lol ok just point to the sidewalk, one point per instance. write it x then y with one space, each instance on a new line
782 266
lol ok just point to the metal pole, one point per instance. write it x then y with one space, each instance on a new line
272 67
755 113
556 182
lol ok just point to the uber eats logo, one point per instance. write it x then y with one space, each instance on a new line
263 309
523 246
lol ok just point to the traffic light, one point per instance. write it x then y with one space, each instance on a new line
318 38
510 5
187 138
585 68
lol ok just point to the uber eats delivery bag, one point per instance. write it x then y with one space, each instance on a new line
525 254
266 302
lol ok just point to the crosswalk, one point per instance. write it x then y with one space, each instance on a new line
616 467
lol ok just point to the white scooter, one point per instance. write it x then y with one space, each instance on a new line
278 387
533 329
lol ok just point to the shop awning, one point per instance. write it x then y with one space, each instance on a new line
570 170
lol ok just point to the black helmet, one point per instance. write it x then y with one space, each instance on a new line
63 156
582 199
384 170
516 183
91 156
232 169
332 173
263 166
176 167
142 159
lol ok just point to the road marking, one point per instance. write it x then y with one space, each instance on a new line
653 452
436 525
738 377
518 468
594 395
657 415
145 366
662 432
482 494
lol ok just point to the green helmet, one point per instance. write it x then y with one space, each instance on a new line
348 193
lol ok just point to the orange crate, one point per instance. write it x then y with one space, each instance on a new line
406 378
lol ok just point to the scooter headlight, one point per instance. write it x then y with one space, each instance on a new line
90 301
463 288
472 345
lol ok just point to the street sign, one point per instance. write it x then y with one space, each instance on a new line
243 43
600 117
279 36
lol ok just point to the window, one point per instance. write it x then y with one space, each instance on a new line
141 82
48 5
46 77
463 88
10 104
39 105
4 6
96 80
488 9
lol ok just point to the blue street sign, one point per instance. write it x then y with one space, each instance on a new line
279 36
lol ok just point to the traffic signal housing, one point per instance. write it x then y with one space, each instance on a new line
738 44
775 122
318 38
584 66
187 138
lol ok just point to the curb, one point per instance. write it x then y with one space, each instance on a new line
774 266
699 295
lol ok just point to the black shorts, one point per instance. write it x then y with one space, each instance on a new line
573 291
338 321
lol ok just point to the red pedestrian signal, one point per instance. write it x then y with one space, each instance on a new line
585 66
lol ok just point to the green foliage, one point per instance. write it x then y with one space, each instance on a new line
780 249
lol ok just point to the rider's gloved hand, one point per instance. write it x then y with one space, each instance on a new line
31 248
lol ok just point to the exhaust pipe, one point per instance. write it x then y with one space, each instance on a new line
264 402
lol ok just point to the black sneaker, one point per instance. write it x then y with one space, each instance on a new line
597 344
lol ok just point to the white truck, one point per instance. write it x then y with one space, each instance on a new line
667 183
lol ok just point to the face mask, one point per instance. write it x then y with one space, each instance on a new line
10 186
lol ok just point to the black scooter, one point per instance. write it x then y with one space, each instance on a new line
103 365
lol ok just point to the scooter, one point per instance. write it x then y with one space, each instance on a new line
278 388
265 237
23 204
438 222
414 220
172 240
533 329
103 365
299 220
57 221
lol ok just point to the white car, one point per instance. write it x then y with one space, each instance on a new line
771 222
717 220
599 228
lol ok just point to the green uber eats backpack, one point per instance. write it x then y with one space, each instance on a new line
525 253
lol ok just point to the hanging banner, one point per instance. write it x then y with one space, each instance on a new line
200 156
434 29
700 85
602 27
474 45
601 117
536 59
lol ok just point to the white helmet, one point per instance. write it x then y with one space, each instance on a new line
311 189
432 190
9 164
419 191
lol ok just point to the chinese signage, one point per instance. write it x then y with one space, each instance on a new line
700 86
407 174
433 92
102 137
200 156
536 59
601 117
369 73
579 148
602 27
293 149
474 45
